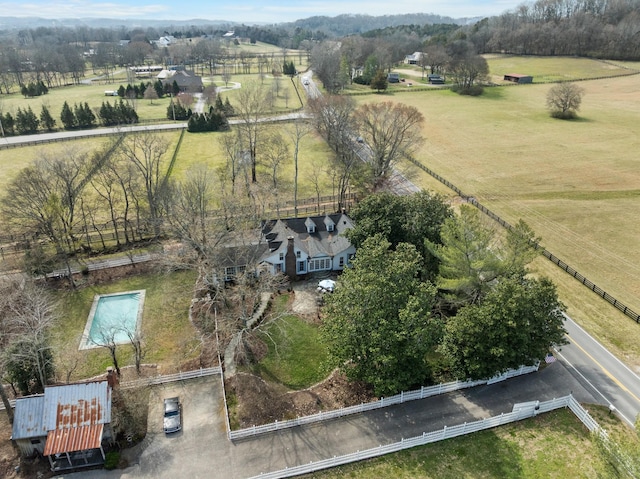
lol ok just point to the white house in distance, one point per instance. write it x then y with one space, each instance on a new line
300 246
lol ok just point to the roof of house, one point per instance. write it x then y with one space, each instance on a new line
185 78
517 75
71 416
321 242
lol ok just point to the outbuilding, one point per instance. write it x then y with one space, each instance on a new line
68 424
518 78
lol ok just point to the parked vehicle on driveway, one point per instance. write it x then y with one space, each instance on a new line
172 415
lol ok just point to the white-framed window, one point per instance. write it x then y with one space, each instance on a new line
341 262
301 267
298 254
281 256
320 264
330 227
278 267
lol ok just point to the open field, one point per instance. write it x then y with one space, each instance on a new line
576 183
547 69
169 336
552 445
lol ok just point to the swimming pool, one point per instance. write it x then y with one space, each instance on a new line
113 317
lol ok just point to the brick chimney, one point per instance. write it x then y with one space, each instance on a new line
112 378
290 260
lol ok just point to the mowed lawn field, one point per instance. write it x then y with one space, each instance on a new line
576 183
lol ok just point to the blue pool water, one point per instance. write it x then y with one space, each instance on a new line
113 315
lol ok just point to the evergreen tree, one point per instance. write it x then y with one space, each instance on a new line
159 88
8 124
121 91
47 121
67 117
228 108
379 81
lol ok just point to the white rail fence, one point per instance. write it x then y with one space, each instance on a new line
422 393
525 411
197 373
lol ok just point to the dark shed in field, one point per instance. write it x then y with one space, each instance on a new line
518 78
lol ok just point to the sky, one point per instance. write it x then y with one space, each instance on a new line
247 11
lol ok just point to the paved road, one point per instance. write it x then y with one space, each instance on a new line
600 372
202 450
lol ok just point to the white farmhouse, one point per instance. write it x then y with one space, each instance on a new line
299 246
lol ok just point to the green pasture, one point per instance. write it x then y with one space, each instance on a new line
549 69
576 183
92 94
551 445
169 337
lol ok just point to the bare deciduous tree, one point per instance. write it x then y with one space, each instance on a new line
28 314
564 100
392 131
297 131
146 152
251 106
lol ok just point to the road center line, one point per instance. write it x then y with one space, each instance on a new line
606 371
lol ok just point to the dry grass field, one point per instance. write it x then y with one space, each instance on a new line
576 183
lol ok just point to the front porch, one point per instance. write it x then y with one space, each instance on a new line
77 459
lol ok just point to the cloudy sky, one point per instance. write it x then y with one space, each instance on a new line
247 11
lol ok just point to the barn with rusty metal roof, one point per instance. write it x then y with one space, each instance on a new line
68 424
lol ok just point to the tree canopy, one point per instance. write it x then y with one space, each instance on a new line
378 324
410 219
516 324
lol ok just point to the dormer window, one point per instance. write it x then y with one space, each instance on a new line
329 224
311 226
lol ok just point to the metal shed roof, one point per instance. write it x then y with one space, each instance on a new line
73 439
28 421
77 405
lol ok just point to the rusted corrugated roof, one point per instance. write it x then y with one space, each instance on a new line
72 439
27 422
77 405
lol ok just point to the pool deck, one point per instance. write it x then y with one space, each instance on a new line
86 342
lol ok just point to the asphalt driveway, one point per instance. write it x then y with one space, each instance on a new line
202 449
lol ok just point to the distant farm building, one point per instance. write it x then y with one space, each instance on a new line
414 59
435 79
393 77
518 78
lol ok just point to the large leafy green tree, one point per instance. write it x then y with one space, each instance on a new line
516 324
378 325
474 256
402 219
